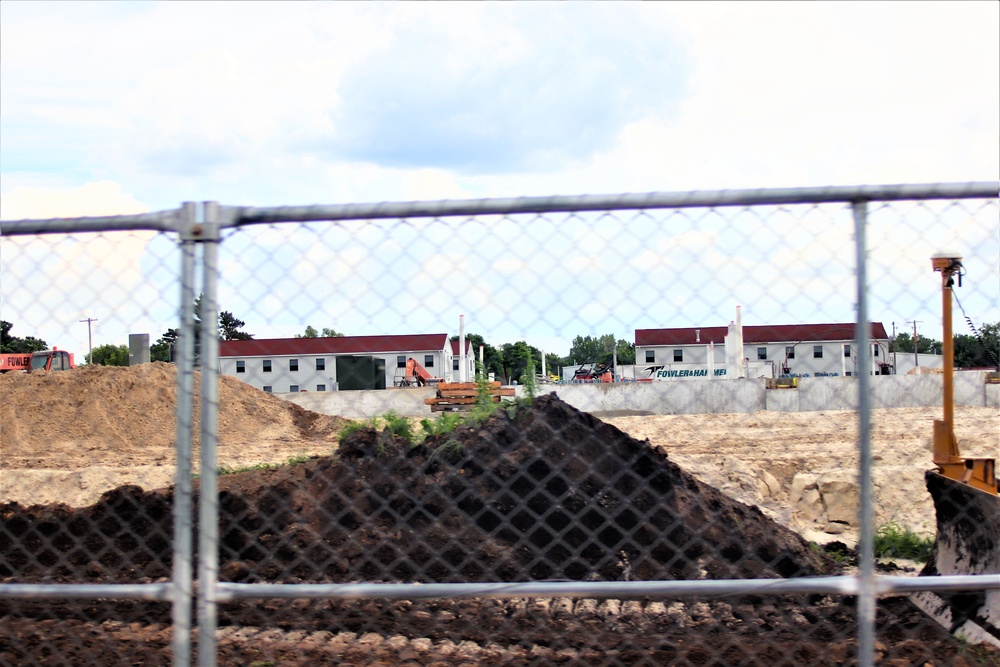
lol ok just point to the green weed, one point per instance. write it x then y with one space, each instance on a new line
895 541
401 427
445 422
350 428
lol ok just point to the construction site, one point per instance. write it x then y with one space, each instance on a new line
164 514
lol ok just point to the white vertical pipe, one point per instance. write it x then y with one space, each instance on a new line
711 361
741 351
482 360
463 372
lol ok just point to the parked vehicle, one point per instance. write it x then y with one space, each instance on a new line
44 360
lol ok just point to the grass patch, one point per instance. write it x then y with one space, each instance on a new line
401 427
895 541
349 428
233 470
445 422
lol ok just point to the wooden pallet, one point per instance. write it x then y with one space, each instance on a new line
461 396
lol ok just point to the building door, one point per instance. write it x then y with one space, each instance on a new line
354 372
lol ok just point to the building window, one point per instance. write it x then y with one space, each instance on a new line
241 366
293 364
817 351
321 364
876 350
650 356
454 363
762 353
267 366
790 352
428 361
678 355
267 388
321 387
847 350
294 388
400 361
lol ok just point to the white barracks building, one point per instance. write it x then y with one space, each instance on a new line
802 350
342 363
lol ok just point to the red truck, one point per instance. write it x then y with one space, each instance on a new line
45 360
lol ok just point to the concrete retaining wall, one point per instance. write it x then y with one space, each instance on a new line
688 396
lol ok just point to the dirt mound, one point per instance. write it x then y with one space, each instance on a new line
539 492
548 492
70 436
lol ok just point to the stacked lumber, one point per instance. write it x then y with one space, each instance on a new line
460 396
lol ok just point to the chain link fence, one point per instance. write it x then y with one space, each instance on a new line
175 513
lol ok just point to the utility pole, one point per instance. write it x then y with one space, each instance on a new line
916 339
90 340
894 367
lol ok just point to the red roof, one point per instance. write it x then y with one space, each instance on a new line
454 346
338 345
771 333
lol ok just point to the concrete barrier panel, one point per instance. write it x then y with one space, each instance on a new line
829 393
970 388
905 391
992 395
782 400
364 403
686 396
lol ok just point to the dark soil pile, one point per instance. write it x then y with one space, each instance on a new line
539 492
548 493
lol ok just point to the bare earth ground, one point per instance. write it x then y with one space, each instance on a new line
69 436
59 442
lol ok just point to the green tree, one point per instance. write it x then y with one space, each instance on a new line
165 348
311 332
228 325
904 343
979 351
13 344
108 355
625 351
492 358
590 350
230 328
515 357
553 362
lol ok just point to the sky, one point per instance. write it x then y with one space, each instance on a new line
128 107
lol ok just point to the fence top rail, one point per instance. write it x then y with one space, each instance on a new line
236 216
164 221
177 220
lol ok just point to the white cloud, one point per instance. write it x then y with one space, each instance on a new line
117 107
98 198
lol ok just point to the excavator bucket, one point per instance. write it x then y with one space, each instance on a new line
968 542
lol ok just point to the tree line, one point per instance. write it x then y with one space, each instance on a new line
509 361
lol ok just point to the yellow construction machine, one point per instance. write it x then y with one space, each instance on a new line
966 502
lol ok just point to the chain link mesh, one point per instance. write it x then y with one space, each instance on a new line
344 477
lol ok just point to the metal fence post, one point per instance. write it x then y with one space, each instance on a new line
866 592
183 504
208 505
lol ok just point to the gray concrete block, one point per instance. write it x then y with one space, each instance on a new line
829 393
782 400
992 395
